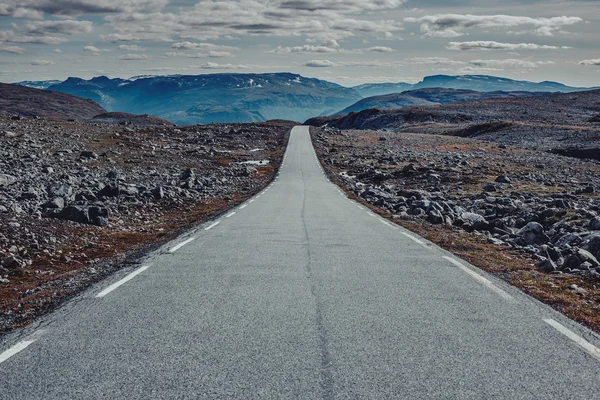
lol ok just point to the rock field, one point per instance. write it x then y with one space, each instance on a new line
75 198
545 206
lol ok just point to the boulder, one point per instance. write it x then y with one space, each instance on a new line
533 233
7 180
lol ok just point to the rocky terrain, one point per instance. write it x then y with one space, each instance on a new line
531 217
29 102
565 123
77 199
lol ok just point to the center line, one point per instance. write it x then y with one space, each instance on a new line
180 245
122 281
212 225
481 279
231 214
581 342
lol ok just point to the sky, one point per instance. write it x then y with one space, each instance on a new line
349 42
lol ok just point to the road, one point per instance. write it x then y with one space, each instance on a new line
301 293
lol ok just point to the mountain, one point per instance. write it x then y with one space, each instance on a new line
565 123
31 102
428 96
190 99
38 84
486 83
377 89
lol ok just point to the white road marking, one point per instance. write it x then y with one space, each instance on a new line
251 201
122 281
231 214
481 279
416 240
15 349
581 342
243 206
212 225
387 223
180 245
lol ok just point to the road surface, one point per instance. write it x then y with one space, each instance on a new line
301 293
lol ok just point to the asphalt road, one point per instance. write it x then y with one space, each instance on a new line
302 293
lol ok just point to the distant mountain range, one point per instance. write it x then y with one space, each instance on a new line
187 99
429 96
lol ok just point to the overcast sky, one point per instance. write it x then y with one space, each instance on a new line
344 41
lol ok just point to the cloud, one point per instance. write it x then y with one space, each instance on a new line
36 8
454 25
491 45
212 65
305 49
12 49
68 27
11 37
93 49
434 61
595 61
202 46
508 63
131 47
319 64
133 57
41 62
208 20
381 49
220 54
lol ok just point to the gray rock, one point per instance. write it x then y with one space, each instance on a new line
585 256
56 202
592 244
88 155
503 179
594 224
547 265
533 233
7 180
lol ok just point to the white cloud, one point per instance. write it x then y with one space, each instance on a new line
305 49
220 54
93 49
492 45
133 57
508 63
434 61
381 49
595 61
131 47
41 62
12 49
319 64
454 25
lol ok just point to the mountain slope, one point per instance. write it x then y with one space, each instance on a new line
559 122
428 96
187 99
378 89
30 102
486 83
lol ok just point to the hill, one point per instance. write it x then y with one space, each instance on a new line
378 89
188 99
564 123
428 96
30 102
486 83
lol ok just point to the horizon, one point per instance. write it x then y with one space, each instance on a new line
349 43
136 77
